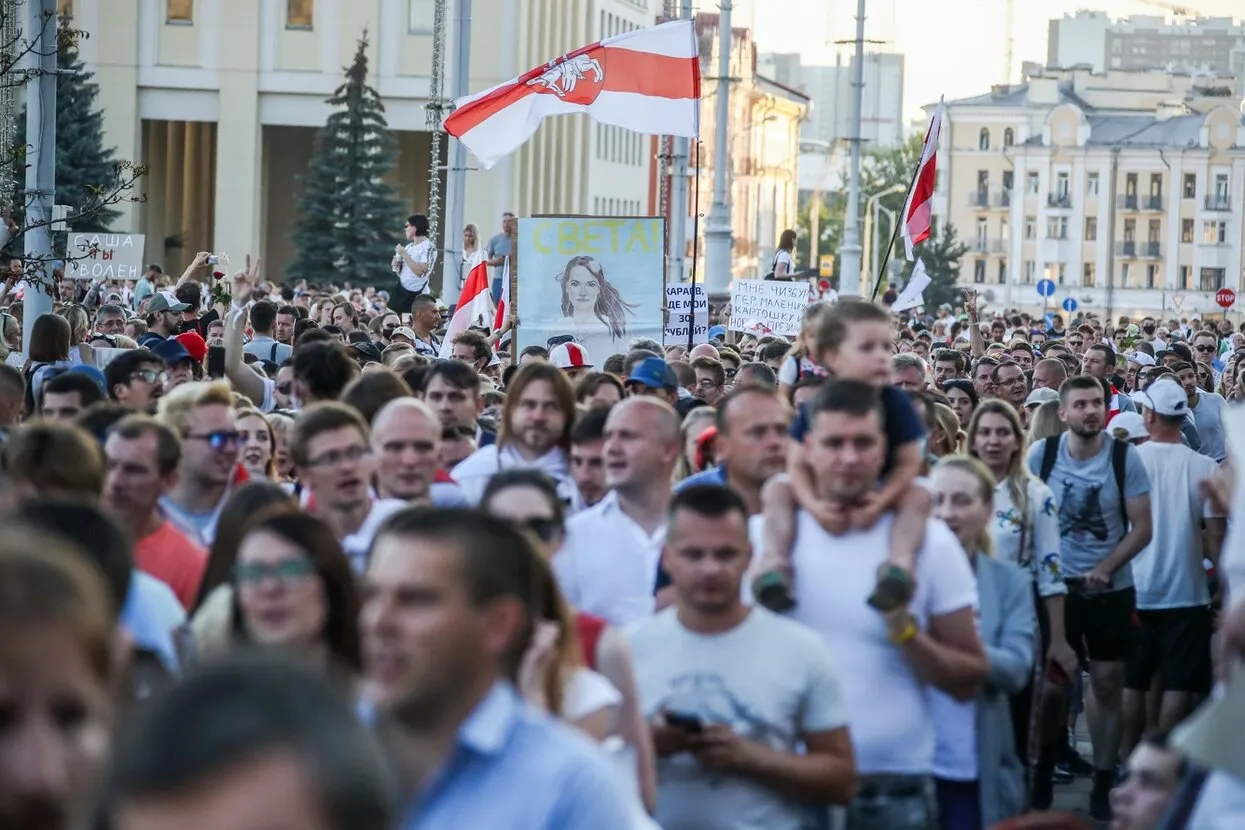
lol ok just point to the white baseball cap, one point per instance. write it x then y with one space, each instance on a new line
1133 425
1040 396
1166 397
570 356
1140 358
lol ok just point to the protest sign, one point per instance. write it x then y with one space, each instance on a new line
594 280
768 306
687 305
105 256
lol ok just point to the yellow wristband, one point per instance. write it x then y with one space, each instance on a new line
907 635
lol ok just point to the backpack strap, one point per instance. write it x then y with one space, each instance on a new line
272 356
1119 466
1050 454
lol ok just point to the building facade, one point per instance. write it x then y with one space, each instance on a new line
764 148
1129 201
222 99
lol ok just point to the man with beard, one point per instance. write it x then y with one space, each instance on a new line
535 432
1103 492
752 424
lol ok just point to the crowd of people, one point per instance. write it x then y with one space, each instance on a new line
270 561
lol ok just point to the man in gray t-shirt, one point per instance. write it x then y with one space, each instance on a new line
1207 409
1082 467
499 250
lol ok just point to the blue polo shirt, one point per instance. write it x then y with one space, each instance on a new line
714 475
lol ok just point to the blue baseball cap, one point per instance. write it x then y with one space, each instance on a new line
94 374
717 332
654 373
171 351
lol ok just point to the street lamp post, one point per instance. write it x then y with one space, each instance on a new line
871 224
718 229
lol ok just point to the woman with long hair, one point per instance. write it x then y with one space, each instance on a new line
1045 422
963 398
258 444
784 258
473 254
1025 532
978 774
592 309
294 590
530 499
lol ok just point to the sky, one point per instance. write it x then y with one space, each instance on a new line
954 48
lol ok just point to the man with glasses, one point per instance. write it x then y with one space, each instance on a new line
110 320
143 457
710 380
134 379
1010 384
332 451
201 415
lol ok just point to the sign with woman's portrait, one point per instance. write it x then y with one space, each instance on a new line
598 281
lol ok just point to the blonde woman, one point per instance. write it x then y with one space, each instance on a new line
798 362
978 775
258 443
945 435
1045 422
472 255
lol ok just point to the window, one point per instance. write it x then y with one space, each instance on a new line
1190 186
1030 227
1125 275
1002 272
421 14
1009 138
1151 270
1186 230
983 233
1185 281
1091 184
1056 272
1061 186
1030 271
181 11
1091 228
1156 185
1031 182
1130 230
1057 227
1211 279
983 139
1154 233
1087 275
1009 179
1214 233
979 270
1130 186
298 14
1221 188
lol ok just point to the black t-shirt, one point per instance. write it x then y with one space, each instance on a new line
903 424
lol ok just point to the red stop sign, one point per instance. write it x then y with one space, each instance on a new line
1225 297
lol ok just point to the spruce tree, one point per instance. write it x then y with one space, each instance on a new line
349 216
86 170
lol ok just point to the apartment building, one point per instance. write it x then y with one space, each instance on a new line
222 99
1129 200
764 148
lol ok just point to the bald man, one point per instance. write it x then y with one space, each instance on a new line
609 563
703 350
406 439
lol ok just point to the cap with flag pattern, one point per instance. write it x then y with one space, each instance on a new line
570 356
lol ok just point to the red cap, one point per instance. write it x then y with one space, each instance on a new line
194 344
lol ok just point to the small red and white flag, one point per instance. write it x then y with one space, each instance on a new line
503 305
918 209
647 80
475 307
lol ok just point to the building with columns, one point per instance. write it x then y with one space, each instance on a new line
1126 189
222 99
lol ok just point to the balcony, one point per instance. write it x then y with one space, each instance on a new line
1219 204
1151 203
984 200
1132 203
1139 250
1059 201
989 246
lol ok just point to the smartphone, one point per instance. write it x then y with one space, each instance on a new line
216 362
688 723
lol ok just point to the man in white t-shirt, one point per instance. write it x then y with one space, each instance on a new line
886 661
747 709
1173 598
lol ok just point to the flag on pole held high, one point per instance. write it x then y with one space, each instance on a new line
474 308
503 305
917 210
647 80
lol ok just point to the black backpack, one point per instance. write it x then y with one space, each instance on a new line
1119 464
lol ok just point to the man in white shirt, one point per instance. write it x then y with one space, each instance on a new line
535 433
886 660
609 562
1173 598
734 692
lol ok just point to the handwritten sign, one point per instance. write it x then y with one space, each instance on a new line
768 306
105 256
686 305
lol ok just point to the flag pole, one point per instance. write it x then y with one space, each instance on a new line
691 326
886 257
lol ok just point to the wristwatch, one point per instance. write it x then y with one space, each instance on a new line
907 635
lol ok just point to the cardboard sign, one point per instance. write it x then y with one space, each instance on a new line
768 306
687 306
105 256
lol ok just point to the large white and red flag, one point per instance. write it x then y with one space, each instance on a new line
917 210
647 81
475 307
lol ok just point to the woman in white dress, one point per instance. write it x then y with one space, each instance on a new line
472 255
592 310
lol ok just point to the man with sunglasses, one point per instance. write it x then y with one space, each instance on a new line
134 379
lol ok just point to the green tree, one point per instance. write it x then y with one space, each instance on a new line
829 228
348 211
86 170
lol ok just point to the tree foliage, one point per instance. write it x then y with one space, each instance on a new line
348 212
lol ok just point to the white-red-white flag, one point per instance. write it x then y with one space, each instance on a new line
918 209
503 305
475 307
647 80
